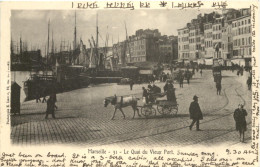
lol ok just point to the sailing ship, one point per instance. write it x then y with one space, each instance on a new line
73 69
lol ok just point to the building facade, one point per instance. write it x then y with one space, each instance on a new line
141 47
224 37
241 31
183 44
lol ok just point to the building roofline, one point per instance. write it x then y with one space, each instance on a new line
240 17
182 28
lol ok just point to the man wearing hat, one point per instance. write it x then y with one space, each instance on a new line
195 113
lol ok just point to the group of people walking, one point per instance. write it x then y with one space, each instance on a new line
184 75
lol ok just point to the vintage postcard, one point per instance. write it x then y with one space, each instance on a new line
129 83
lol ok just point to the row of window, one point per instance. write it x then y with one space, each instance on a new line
240 23
217 36
242 52
208 26
183 47
183 32
216 27
242 30
185 55
208 44
197 32
242 41
239 52
193 40
183 39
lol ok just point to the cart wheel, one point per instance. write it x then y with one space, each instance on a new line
148 111
164 110
174 110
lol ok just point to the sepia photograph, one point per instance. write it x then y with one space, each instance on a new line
138 78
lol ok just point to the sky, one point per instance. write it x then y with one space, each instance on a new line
32 25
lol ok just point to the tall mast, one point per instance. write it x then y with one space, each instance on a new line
97 31
52 43
127 44
48 42
75 33
21 45
12 48
97 41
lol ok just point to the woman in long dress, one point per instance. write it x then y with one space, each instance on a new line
240 119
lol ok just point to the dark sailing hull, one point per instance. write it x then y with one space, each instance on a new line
40 88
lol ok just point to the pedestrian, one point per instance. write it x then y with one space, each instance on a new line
170 91
249 82
242 70
131 84
188 77
238 71
145 95
50 107
218 86
195 113
201 72
181 81
240 119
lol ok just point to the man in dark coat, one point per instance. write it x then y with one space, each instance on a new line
218 86
195 113
50 107
131 84
249 82
240 119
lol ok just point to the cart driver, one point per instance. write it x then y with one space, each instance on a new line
156 89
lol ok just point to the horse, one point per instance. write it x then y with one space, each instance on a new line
121 102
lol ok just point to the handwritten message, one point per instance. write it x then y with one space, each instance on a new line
131 158
255 84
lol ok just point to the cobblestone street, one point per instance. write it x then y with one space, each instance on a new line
82 119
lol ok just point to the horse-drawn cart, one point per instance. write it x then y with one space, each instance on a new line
164 107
